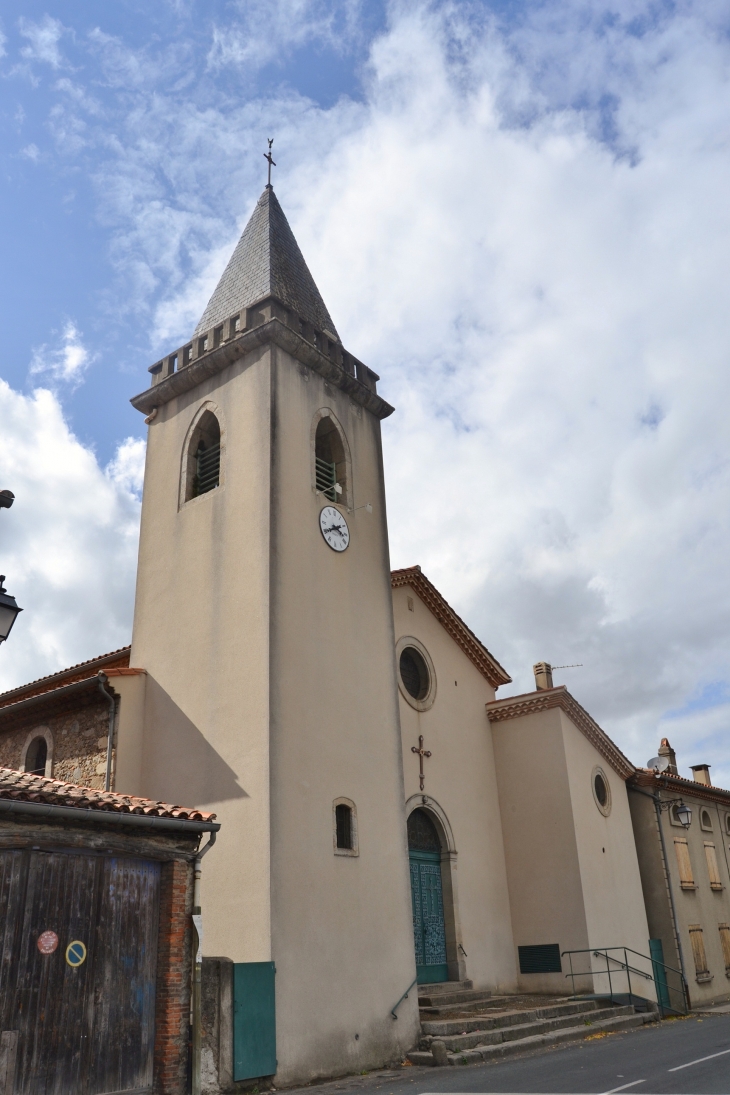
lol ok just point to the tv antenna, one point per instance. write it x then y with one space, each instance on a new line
659 764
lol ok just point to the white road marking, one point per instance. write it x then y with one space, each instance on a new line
699 1060
624 1087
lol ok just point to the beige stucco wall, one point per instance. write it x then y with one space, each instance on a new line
543 862
127 773
270 691
201 630
342 933
461 779
611 884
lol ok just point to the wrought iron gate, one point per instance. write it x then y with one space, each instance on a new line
78 954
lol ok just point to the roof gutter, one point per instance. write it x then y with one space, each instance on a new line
76 813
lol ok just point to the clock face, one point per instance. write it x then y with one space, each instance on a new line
334 528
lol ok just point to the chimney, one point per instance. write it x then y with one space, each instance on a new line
665 750
701 774
543 675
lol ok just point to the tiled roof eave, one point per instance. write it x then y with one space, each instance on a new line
477 653
24 787
644 777
515 707
75 672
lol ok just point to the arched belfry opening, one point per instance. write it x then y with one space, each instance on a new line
203 457
330 460
427 892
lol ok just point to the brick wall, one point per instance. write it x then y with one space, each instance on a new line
79 743
174 968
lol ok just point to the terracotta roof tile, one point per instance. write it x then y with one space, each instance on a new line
116 659
54 792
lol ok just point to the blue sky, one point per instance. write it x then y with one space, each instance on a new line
517 215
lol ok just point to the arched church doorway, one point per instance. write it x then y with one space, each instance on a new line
429 930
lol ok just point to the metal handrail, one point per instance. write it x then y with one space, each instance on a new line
403 997
602 952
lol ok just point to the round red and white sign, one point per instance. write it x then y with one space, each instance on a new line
47 942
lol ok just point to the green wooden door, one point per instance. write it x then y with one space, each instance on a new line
428 917
254 1020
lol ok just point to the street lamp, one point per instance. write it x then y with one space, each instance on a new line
6 499
8 611
683 814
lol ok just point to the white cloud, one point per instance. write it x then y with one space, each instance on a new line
266 32
43 40
523 230
126 470
66 362
69 541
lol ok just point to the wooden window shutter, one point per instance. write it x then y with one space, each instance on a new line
697 940
725 941
684 863
712 868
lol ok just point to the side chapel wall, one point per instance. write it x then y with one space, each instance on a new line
461 777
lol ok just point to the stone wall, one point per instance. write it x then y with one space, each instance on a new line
79 743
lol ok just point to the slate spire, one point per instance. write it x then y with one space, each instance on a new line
267 262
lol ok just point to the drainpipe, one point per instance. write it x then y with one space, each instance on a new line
198 967
103 681
657 800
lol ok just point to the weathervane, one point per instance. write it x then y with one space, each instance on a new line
267 156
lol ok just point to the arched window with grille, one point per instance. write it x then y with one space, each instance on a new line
330 460
202 465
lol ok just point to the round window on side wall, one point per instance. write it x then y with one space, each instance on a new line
416 677
601 791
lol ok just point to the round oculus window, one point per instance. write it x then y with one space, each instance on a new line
601 791
414 673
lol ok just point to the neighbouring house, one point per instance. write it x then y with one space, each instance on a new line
685 871
96 938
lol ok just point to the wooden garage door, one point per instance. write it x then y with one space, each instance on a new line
84 1015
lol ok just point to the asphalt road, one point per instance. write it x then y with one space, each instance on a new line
661 1059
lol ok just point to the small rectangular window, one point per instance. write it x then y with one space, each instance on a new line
686 879
697 940
724 930
542 958
343 819
712 868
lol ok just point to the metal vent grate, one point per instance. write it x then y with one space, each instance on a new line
208 468
543 958
325 477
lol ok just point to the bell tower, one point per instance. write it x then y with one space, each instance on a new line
263 618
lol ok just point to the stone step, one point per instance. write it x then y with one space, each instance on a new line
458 1042
454 1000
441 988
490 1021
520 1045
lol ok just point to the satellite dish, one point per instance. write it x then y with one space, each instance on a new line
659 764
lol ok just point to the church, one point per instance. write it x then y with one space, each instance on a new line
386 819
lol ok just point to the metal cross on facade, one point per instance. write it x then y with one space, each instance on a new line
421 754
267 156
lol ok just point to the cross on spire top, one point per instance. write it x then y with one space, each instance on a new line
267 156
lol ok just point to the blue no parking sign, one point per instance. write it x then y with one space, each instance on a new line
76 953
